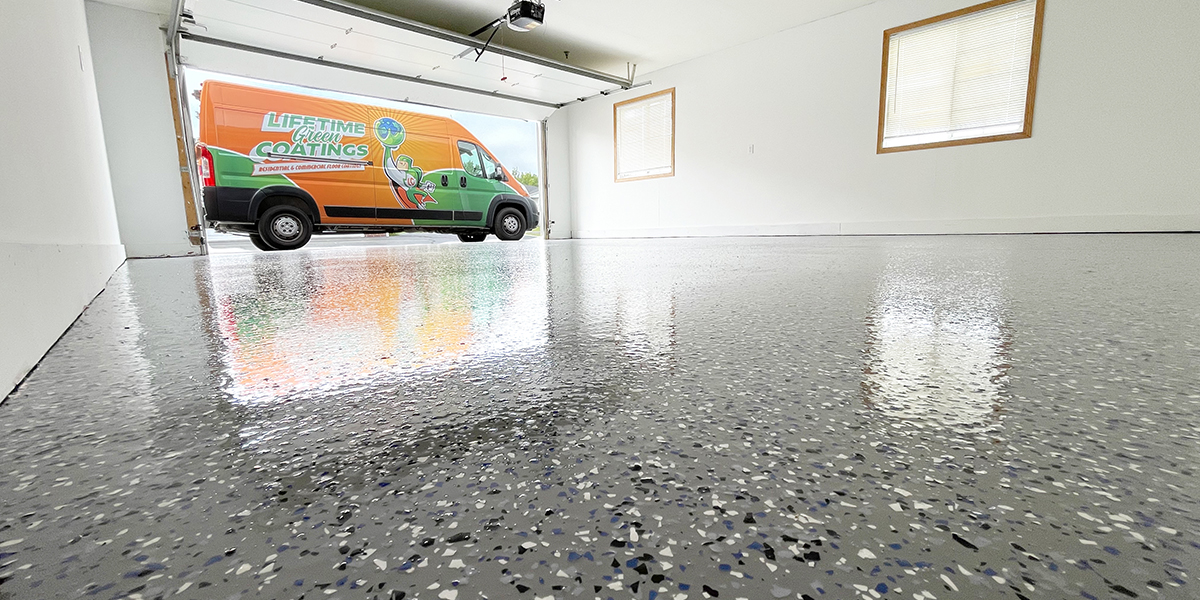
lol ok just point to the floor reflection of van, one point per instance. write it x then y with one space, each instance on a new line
281 167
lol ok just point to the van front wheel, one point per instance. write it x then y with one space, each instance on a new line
285 227
259 243
509 224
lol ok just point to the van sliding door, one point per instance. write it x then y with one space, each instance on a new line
417 183
478 186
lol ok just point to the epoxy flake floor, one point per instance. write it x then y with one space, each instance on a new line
947 417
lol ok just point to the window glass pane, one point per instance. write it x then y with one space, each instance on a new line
470 159
490 167
645 137
960 78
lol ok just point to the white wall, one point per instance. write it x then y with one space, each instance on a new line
128 50
58 236
1114 144
558 221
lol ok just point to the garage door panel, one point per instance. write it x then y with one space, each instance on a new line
235 62
298 28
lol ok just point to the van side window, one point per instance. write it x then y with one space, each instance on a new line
491 169
470 159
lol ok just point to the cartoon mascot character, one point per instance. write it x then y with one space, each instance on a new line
407 179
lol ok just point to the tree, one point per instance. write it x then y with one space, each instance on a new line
526 179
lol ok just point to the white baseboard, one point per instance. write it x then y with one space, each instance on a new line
161 250
1065 224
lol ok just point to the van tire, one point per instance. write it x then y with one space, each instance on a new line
285 227
260 243
509 224
474 236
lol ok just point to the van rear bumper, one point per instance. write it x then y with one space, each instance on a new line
228 204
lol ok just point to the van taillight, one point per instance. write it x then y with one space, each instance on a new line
204 164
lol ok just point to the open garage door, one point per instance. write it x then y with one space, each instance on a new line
332 45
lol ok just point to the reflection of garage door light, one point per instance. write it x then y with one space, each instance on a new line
524 15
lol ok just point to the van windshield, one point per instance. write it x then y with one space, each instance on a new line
470 159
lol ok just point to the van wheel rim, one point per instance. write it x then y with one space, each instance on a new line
511 224
286 227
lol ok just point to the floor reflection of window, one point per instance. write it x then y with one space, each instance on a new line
937 348
640 319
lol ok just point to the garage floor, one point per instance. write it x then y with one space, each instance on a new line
929 417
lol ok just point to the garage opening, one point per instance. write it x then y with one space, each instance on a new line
370 179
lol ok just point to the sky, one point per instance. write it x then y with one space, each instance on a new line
514 142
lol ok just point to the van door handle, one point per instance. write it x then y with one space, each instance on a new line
462 181
445 180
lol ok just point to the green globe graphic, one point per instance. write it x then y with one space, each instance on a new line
389 132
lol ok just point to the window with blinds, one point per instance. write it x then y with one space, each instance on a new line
961 78
644 136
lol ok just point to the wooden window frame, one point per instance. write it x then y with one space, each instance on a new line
1035 57
616 163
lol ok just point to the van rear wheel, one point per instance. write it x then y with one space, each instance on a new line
509 224
260 243
472 237
285 227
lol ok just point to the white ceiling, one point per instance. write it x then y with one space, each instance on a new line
604 35
160 7
607 35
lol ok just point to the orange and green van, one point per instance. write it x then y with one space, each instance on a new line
281 167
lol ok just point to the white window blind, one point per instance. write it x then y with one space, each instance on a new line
645 136
961 78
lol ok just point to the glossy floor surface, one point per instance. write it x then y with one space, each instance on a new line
945 417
